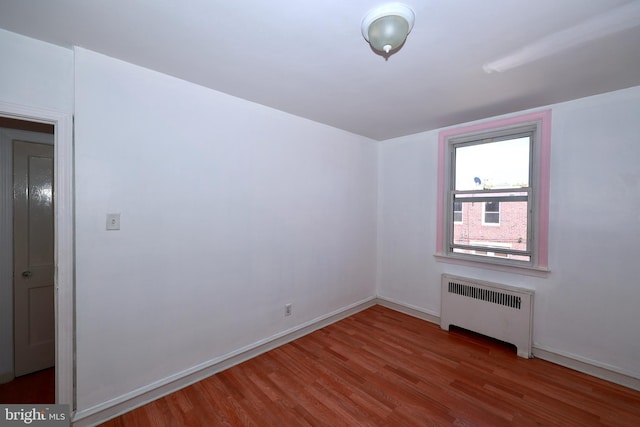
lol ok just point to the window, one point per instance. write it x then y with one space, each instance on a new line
497 174
488 171
491 213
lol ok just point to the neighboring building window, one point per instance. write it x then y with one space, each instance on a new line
497 173
457 212
491 213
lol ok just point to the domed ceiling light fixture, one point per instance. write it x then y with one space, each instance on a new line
386 27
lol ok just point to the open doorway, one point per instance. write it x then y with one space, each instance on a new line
58 125
27 323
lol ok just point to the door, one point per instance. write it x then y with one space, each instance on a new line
33 272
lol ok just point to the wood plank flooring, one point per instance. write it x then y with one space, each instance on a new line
383 368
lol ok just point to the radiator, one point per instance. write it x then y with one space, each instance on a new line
498 311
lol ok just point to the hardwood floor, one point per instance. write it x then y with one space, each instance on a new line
38 387
383 368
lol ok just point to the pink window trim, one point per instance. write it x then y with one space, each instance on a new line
542 232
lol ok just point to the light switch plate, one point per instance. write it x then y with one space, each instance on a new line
113 221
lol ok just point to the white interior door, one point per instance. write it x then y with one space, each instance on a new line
33 273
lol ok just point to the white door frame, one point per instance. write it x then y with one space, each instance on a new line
64 239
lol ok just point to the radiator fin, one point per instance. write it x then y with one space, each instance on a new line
488 295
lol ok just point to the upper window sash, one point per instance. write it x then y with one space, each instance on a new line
517 132
513 132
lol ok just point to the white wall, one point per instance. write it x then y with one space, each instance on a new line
35 74
228 210
587 307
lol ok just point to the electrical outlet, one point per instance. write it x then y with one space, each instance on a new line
287 309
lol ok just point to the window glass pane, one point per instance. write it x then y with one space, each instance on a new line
457 211
509 233
492 207
501 164
492 217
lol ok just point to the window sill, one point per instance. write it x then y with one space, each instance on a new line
487 264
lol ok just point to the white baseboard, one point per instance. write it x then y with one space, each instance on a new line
6 377
587 367
125 403
420 313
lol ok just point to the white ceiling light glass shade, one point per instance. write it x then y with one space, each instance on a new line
386 27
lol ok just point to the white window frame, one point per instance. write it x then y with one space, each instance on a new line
492 195
537 192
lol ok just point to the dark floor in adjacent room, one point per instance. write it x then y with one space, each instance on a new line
38 387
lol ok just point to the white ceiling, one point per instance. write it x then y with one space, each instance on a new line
309 58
